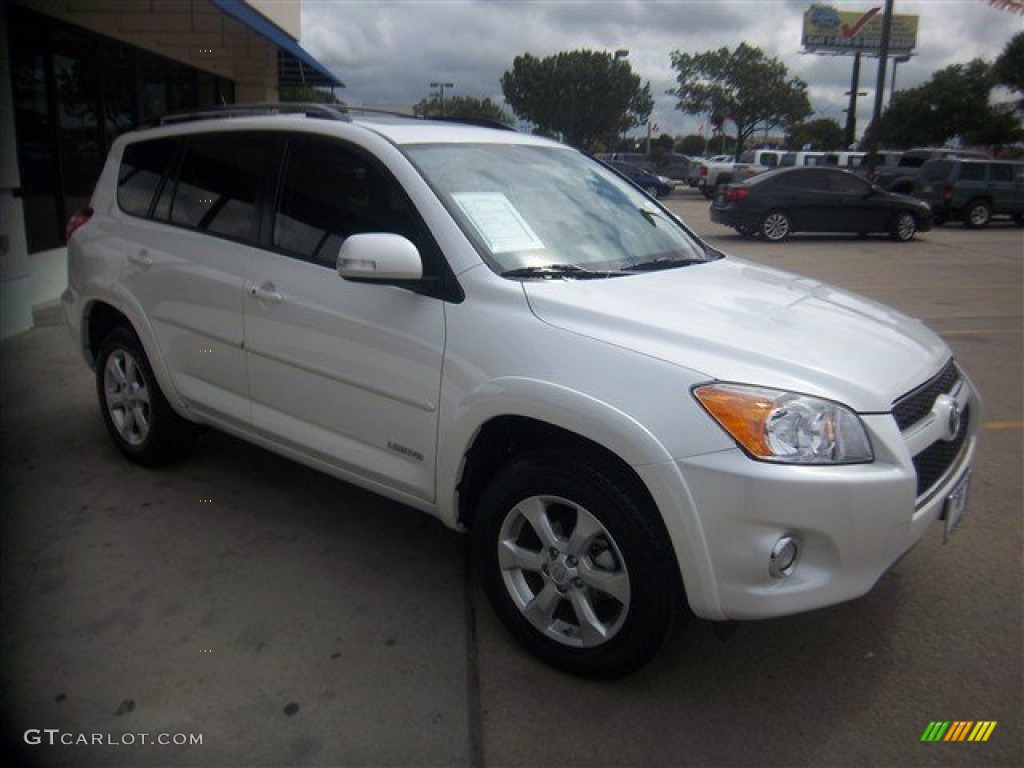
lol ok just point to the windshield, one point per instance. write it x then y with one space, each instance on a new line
537 208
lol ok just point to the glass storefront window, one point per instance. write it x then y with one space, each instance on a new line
74 93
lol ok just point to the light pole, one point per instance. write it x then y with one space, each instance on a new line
621 53
895 64
441 87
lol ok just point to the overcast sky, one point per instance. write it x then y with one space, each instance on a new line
388 53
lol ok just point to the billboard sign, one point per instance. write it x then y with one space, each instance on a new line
827 30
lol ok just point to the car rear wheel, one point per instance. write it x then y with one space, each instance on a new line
776 226
576 563
977 214
138 417
904 227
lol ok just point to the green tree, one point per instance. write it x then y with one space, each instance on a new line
824 134
463 107
587 96
1009 67
743 86
692 145
954 103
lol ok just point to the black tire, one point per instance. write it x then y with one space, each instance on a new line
594 542
139 419
652 190
776 226
977 214
904 227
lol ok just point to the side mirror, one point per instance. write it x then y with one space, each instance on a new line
379 257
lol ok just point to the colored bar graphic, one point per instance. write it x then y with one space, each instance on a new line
958 730
982 730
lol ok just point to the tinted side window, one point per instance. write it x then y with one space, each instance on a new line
848 185
810 181
143 166
218 184
935 169
1000 172
972 172
328 193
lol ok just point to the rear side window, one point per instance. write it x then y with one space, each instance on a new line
1001 172
972 172
811 181
143 166
935 169
218 185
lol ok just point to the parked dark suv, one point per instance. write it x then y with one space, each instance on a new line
972 190
901 178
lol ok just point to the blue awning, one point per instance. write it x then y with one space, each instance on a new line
294 65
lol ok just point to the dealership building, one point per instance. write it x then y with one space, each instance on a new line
74 74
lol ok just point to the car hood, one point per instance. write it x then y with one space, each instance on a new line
736 321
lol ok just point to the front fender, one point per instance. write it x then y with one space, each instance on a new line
603 424
545 402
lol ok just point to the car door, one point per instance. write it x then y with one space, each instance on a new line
860 207
1018 190
810 200
189 244
1001 187
343 372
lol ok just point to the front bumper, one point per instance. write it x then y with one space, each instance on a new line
851 523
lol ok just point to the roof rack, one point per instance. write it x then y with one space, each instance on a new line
309 109
338 112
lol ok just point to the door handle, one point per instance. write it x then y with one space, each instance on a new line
266 293
142 258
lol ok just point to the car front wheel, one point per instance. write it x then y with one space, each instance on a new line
776 226
138 417
904 227
576 564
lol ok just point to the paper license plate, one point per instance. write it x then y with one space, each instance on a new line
956 507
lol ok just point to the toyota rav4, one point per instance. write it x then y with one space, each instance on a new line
495 329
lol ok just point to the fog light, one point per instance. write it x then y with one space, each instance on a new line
783 559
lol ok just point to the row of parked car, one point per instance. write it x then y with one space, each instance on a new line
956 184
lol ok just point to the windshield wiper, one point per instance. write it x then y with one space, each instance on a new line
664 262
553 271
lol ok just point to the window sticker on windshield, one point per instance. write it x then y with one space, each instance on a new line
498 222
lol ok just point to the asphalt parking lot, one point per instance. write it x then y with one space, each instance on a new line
286 618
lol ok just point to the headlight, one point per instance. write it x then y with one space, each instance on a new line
772 425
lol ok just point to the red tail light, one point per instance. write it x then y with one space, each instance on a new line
78 218
703 170
735 194
947 193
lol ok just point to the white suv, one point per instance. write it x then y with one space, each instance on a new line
499 331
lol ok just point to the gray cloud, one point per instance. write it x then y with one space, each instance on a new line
388 53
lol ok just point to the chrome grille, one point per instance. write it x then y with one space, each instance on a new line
916 404
933 462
